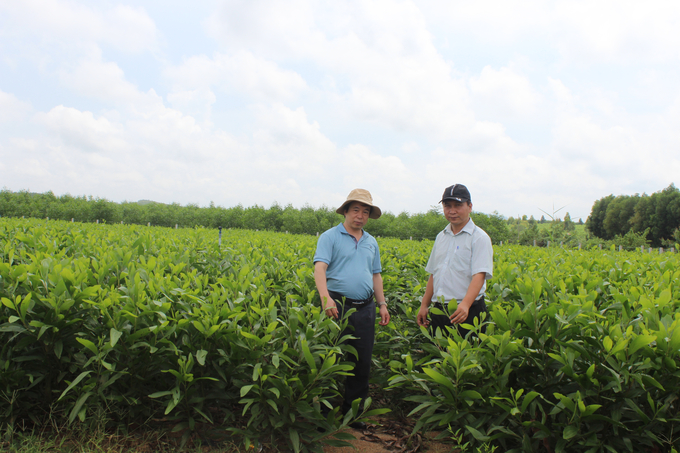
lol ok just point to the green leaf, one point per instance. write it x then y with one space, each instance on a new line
75 382
470 395
477 434
8 303
58 348
439 378
201 354
620 346
159 394
25 304
528 399
294 439
639 342
115 336
78 409
245 389
308 355
89 345
569 432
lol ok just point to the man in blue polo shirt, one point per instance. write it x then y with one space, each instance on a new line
460 263
347 275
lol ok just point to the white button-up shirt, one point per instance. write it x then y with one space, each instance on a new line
455 258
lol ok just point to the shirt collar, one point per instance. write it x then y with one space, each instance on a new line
469 228
343 230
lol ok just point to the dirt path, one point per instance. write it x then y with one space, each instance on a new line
389 436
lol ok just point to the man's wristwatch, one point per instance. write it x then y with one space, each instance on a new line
380 304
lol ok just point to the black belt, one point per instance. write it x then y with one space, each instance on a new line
477 301
347 300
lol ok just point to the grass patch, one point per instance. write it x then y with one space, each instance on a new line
75 441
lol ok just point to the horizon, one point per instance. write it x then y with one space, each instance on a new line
275 203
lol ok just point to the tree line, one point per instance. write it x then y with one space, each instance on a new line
305 220
629 221
655 217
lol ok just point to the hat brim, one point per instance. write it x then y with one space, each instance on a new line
375 211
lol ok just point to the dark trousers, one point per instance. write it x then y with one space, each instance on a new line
361 324
442 321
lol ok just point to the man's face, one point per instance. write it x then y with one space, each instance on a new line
457 213
357 214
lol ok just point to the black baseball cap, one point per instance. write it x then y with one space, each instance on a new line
456 192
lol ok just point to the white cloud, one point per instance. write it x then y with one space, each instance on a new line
584 32
504 94
82 131
382 175
269 28
387 70
196 103
623 32
11 108
105 80
290 142
241 73
495 21
65 23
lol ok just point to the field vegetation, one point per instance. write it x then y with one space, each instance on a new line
307 220
122 328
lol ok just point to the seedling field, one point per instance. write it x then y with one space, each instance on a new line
115 325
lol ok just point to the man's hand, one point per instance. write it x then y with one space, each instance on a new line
461 314
330 308
384 316
421 319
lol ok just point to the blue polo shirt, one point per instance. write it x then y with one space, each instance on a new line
351 263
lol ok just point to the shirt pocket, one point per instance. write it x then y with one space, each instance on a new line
461 260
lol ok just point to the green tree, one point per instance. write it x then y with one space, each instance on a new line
103 210
254 218
595 221
568 224
494 225
291 220
620 211
273 217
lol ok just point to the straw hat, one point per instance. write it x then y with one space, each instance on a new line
362 196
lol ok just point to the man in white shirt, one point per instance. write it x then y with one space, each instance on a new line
460 264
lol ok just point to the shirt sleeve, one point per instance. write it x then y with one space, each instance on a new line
324 249
482 257
430 267
377 268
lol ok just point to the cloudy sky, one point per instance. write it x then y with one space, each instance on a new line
534 105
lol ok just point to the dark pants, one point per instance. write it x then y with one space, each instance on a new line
361 324
442 321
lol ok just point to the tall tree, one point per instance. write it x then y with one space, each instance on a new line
595 221
620 211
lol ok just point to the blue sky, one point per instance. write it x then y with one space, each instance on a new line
531 104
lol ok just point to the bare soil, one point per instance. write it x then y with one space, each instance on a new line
385 435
